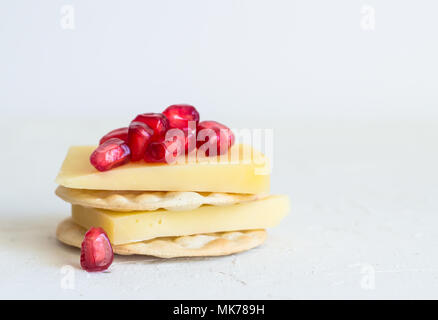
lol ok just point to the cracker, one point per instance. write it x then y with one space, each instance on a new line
150 200
199 245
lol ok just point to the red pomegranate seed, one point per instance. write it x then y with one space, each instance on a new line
139 136
110 154
156 121
190 140
179 115
96 251
121 133
222 137
165 151
187 136
155 152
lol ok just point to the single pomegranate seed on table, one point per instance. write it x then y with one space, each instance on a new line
156 121
110 154
121 133
214 135
179 115
96 251
139 136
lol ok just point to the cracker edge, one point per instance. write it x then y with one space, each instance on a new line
72 234
89 200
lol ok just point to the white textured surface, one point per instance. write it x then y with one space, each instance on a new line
363 196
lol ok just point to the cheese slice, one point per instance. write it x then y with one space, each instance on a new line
123 227
242 170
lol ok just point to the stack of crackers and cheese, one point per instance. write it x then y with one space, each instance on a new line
200 207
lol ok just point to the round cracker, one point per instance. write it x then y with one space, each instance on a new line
150 200
199 245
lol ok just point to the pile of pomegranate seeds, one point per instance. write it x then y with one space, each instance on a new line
162 138
96 251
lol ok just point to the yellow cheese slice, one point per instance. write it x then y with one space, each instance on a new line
123 227
243 170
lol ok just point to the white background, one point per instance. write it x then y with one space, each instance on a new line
354 113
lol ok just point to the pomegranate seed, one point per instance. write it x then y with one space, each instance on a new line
156 121
139 136
221 137
96 251
110 154
165 151
179 115
121 133
186 136
190 140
